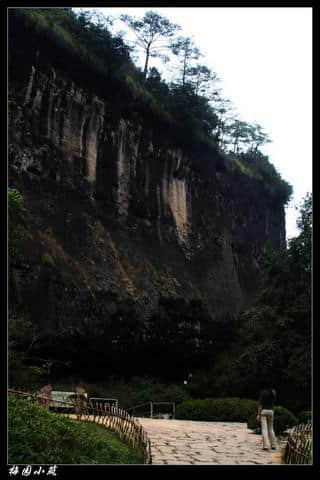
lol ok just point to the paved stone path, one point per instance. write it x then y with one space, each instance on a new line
182 442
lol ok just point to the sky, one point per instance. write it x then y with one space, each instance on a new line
263 56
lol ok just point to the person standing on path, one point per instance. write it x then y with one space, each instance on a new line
265 416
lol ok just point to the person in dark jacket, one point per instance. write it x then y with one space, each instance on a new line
265 416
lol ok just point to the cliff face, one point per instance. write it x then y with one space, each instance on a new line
130 239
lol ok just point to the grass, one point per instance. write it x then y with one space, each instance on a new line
245 169
38 436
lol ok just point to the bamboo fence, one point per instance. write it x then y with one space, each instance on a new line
299 445
127 427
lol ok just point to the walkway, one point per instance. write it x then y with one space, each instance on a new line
181 442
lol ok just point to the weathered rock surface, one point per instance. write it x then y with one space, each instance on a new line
130 239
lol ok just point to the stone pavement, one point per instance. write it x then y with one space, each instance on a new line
185 442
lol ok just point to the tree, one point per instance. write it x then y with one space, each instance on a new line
93 27
15 209
274 335
92 16
300 247
257 137
152 33
186 51
223 110
191 110
154 83
202 78
25 370
238 132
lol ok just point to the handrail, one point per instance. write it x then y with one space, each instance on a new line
40 396
137 406
151 403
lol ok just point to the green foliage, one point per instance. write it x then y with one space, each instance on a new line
156 86
16 230
134 392
283 419
97 57
217 409
38 436
191 110
257 137
246 136
83 44
15 200
273 337
186 52
151 32
305 416
20 331
12 104
300 247
158 392
201 78
239 132
244 167
24 370
257 165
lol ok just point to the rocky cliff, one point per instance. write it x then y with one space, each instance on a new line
132 243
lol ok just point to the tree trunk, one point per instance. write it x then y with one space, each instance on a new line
235 144
146 64
184 71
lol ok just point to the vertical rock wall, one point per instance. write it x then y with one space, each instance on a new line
122 217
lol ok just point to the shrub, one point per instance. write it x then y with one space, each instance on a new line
159 392
25 372
12 104
305 416
217 409
283 419
38 436
131 393
15 199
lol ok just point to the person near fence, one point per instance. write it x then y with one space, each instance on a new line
265 417
44 395
80 400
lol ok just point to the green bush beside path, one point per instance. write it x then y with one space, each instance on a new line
37 436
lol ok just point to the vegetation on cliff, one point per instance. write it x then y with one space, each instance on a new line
190 103
93 57
273 338
15 206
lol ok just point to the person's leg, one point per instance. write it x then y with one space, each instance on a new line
271 434
264 431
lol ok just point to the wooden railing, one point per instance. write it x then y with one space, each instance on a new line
116 419
299 445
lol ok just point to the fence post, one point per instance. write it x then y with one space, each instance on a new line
151 410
